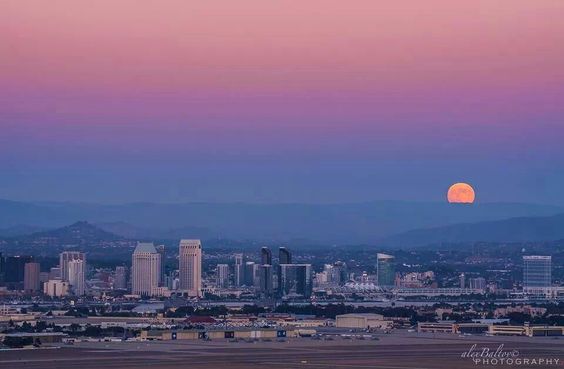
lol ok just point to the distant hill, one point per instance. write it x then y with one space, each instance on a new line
520 229
78 234
346 223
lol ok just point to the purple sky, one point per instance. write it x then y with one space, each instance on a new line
313 101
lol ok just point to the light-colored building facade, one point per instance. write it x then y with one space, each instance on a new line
145 269
222 276
76 279
56 288
64 258
239 270
190 267
362 321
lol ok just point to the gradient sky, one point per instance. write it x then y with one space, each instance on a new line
281 101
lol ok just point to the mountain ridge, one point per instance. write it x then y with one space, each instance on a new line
344 223
516 229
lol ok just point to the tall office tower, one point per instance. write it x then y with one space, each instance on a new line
120 279
265 256
250 273
477 283
145 269
64 259
284 256
339 273
14 268
265 273
239 270
190 267
296 280
222 275
265 280
76 270
537 272
31 277
385 270
462 279
162 251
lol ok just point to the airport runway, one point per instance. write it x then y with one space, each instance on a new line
396 351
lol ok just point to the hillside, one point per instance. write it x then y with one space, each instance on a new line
77 234
519 229
346 223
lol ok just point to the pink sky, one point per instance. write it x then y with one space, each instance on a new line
302 78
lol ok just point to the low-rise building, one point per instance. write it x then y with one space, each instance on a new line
444 326
56 288
362 321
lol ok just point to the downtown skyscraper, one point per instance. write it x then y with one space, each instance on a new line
190 267
145 269
76 276
64 258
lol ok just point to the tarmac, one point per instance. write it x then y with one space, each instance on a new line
398 350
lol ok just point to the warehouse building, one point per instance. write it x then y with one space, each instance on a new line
362 321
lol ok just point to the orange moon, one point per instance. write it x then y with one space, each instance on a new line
461 193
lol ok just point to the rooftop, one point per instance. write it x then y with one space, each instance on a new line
145 247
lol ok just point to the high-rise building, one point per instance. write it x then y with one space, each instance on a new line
265 273
120 278
251 274
162 251
537 271
190 267
31 277
14 269
265 280
239 270
65 257
222 275
295 280
478 283
76 271
385 270
462 280
145 269
284 256
265 256
339 273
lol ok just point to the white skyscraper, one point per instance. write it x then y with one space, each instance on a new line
222 276
76 276
64 259
145 269
239 270
190 267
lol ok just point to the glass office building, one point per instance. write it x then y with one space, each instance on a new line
537 271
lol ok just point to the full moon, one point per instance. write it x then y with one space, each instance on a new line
461 193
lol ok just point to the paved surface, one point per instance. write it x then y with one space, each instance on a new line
395 351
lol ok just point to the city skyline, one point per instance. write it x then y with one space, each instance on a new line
249 183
